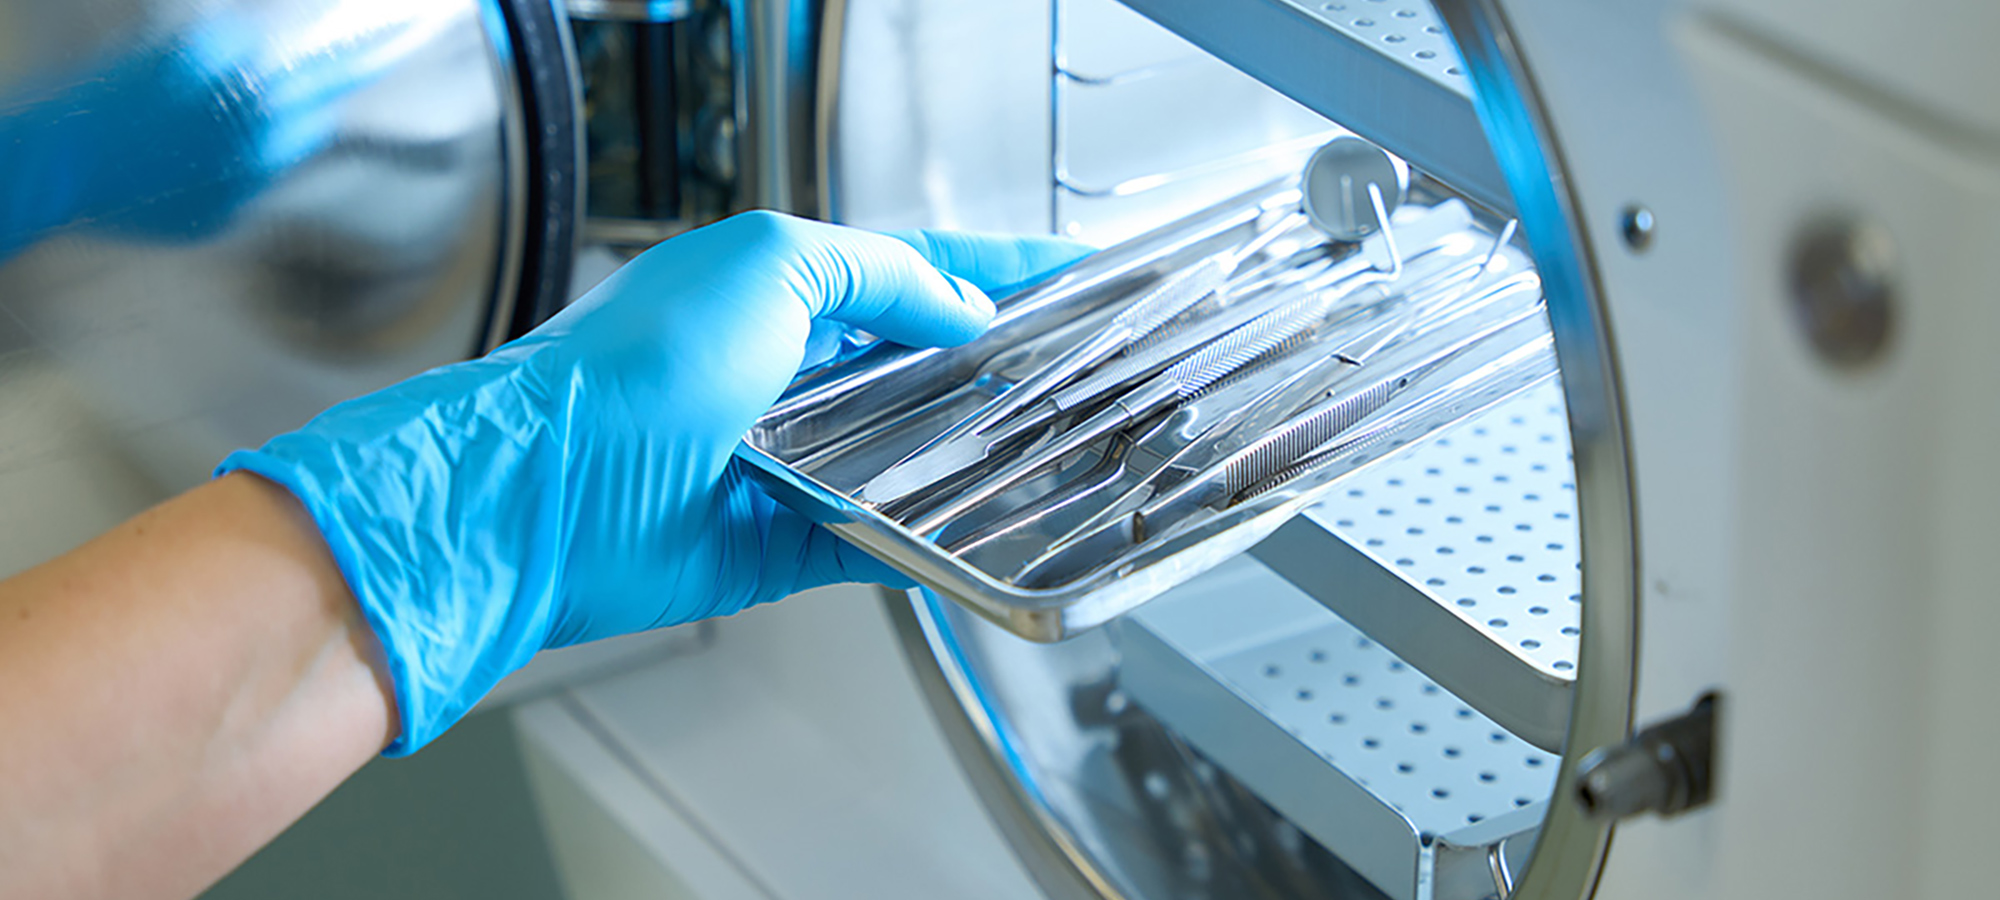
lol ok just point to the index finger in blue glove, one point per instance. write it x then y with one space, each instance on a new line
860 278
993 262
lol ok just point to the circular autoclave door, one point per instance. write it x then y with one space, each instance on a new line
1378 700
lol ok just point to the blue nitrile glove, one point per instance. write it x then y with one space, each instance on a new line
966 254
579 483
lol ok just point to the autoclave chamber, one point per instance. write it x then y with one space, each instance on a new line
1749 220
1387 694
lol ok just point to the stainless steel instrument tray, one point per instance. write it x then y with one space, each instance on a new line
841 425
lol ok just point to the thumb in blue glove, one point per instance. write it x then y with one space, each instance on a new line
580 483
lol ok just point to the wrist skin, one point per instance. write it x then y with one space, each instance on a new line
202 663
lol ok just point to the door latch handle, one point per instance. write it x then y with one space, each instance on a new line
1668 768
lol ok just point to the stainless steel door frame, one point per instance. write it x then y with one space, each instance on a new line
545 138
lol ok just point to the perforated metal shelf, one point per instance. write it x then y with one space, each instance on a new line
1407 31
1461 554
1484 517
1384 68
1354 745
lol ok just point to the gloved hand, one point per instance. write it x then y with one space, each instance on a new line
579 483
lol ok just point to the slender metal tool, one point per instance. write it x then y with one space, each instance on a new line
1395 269
1246 403
1500 242
1156 307
963 447
1342 280
1180 381
1232 418
1213 480
1153 309
1310 431
1231 413
1212 487
1433 301
1313 436
940 459
1147 361
943 459
1436 402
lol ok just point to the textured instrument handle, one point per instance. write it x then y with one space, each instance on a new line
1274 452
1129 368
1232 351
1170 298
1382 431
1293 444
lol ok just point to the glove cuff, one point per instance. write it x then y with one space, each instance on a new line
413 709
403 495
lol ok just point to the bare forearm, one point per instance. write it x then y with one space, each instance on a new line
175 693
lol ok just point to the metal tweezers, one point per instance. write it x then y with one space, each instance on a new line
1247 403
1305 442
1233 417
1181 381
1157 307
1029 406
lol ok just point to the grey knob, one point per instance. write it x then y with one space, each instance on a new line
1843 290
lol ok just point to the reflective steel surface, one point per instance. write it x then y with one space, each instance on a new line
221 217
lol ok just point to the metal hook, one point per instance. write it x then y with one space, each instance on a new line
1503 875
1506 235
1472 280
1255 245
1388 233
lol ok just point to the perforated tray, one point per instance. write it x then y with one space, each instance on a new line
1352 743
1461 554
